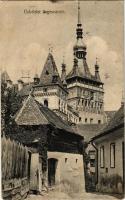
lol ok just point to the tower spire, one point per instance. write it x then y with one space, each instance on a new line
79 18
79 30
97 76
63 75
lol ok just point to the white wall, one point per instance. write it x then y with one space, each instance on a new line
71 171
86 115
53 101
118 158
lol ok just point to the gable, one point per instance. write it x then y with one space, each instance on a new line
30 114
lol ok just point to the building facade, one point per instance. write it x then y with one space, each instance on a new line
109 145
58 144
85 91
76 97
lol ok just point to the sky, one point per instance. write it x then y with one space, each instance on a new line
25 39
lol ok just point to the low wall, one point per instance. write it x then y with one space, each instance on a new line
69 176
15 189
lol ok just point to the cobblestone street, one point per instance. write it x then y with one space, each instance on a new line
52 195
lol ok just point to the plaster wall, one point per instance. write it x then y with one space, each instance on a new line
95 117
118 169
53 100
110 179
69 172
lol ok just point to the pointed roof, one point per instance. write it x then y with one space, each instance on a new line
97 75
81 71
34 113
30 114
5 77
49 70
116 121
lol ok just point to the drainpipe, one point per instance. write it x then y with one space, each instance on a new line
96 160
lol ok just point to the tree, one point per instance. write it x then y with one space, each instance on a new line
10 104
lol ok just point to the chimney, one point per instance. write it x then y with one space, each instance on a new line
36 79
20 84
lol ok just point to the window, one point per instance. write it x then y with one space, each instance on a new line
92 162
85 120
65 160
99 121
102 157
112 155
44 89
76 160
91 121
78 101
46 102
79 119
92 158
47 73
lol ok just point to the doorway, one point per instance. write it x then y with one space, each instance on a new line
52 166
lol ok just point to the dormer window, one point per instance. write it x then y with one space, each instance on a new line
46 103
47 73
55 79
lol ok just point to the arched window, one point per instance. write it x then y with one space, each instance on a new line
46 102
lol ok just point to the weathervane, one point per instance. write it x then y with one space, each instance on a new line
50 48
96 60
63 57
26 75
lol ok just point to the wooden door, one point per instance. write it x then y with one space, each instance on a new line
34 172
52 165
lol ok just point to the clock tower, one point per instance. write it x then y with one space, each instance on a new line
85 91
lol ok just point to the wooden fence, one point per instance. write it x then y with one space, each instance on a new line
15 157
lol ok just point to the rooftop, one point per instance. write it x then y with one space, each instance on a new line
89 130
116 121
49 71
33 113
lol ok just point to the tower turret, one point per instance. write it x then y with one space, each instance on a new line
85 90
97 76
63 74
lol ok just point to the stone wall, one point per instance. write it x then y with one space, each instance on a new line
15 189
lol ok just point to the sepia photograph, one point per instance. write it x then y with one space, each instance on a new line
62 99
